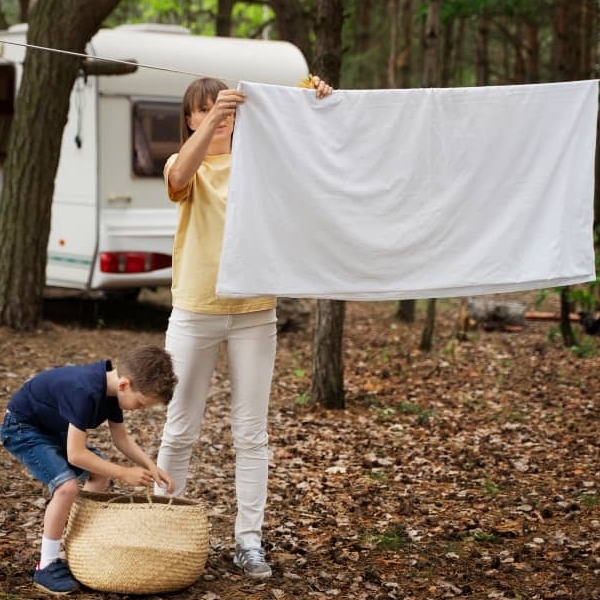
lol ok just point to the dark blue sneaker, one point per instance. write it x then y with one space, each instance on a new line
55 578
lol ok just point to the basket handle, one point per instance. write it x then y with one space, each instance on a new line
116 498
132 496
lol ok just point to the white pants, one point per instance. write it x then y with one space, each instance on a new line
193 341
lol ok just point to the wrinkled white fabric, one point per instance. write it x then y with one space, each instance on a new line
416 193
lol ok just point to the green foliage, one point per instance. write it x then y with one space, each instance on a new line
393 539
464 9
423 415
252 20
302 399
386 413
491 487
554 333
248 19
581 297
378 475
589 500
586 348
482 536
11 13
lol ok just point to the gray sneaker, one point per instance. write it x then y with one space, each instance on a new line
252 562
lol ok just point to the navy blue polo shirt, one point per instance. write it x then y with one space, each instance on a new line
76 395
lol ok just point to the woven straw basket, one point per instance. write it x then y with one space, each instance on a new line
136 544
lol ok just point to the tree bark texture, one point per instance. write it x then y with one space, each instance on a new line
41 111
293 24
328 369
431 78
406 53
327 387
427 333
565 321
406 310
362 38
393 10
567 63
327 62
224 9
431 49
483 63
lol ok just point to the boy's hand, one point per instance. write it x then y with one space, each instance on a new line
137 476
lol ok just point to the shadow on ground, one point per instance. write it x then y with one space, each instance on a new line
114 313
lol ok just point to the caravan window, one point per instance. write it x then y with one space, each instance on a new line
155 136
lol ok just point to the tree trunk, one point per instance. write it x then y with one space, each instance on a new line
328 46
431 78
447 58
223 26
406 311
391 61
33 151
327 386
519 72
533 52
328 368
431 50
427 334
407 34
561 41
567 64
483 64
362 41
458 58
565 318
24 6
293 24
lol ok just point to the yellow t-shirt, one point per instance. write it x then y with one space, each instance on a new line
198 240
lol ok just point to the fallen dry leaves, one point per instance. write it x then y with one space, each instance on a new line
470 471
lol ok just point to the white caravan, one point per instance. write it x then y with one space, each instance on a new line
112 224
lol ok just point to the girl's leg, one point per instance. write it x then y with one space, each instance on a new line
252 343
193 341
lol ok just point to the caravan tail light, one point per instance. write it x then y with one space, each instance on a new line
133 262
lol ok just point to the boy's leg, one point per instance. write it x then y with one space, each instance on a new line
55 518
251 346
193 341
45 458
96 483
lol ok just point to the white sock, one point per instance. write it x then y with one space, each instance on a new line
50 552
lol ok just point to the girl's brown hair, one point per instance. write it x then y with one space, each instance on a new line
195 98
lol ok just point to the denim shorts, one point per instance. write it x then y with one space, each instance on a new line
45 456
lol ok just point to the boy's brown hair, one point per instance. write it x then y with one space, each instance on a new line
150 371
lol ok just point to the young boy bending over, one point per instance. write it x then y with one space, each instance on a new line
45 427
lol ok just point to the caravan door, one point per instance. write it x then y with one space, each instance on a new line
73 238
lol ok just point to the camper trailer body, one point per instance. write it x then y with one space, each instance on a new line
112 225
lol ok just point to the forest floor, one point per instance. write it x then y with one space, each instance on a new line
469 471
